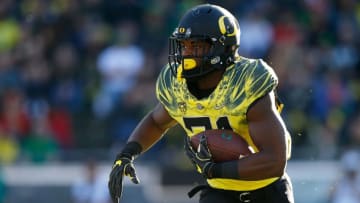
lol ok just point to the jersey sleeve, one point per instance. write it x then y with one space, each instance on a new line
164 88
261 79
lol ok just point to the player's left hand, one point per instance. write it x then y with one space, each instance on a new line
123 166
202 158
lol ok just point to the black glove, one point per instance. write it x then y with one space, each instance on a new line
202 158
123 166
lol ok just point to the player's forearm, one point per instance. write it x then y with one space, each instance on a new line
147 132
262 165
255 167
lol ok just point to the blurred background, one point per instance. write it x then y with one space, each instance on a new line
77 76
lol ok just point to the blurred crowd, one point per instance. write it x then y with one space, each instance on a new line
78 75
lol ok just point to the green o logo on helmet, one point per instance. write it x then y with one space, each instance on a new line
227 26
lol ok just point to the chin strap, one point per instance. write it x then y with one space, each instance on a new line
189 64
179 73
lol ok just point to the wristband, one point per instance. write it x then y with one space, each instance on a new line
131 149
225 170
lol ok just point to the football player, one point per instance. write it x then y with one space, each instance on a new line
207 85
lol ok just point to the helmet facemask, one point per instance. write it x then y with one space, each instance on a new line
202 59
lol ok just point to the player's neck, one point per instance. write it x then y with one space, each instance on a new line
210 80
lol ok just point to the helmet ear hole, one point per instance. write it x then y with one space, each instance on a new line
222 39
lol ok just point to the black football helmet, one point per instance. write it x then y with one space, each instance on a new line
211 24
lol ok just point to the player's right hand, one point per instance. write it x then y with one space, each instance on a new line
123 166
201 158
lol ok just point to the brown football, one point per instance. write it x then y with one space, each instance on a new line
224 145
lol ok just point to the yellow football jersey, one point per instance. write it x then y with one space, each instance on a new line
225 108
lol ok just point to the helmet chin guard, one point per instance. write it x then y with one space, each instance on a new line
204 23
